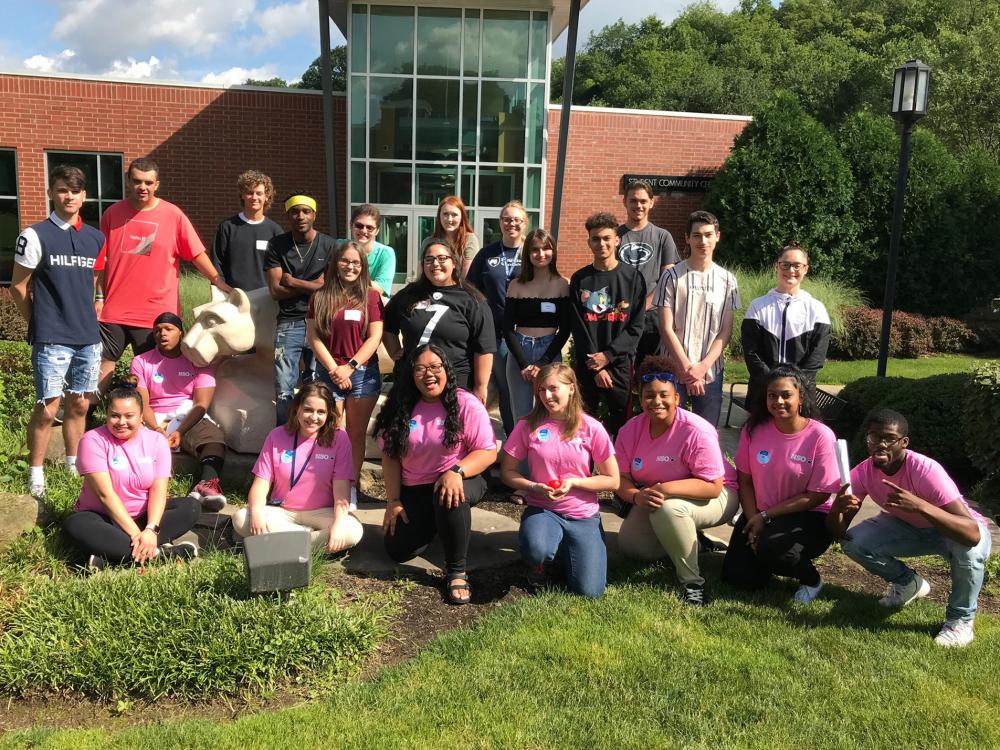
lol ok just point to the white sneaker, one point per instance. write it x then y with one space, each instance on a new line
352 506
806 594
900 596
955 634
37 491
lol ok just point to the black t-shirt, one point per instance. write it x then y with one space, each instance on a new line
608 309
239 248
306 260
447 316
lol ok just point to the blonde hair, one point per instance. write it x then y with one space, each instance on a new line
574 409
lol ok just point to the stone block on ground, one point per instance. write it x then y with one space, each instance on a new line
19 513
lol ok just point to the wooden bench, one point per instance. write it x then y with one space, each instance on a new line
830 405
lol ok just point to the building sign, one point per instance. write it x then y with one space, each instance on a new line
692 183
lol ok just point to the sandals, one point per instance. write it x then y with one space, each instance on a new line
458 590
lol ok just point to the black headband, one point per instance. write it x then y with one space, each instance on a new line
169 317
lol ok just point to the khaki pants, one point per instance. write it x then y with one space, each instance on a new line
672 530
318 521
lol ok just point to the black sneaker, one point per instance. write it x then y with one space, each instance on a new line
694 593
179 551
96 563
710 544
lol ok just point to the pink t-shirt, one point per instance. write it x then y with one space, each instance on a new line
144 254
170 380
921 475
689 448
730 480
132 464
783 466
427 457
316 467
550 457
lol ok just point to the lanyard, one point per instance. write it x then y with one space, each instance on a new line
294 479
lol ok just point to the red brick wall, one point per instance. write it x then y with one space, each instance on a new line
604 145
202 139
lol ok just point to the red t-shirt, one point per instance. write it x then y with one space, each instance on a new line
348 329
144 253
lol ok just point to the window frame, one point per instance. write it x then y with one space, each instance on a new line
102 203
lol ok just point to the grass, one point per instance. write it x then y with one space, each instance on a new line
842 372
637 669
194 290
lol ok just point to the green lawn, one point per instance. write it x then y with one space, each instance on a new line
636 669
841 372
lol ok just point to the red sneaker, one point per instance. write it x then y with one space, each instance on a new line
209 493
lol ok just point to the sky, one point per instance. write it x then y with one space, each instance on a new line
206 41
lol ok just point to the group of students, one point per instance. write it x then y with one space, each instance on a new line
503 313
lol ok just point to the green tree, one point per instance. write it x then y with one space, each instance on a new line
279 83
312 78
785 178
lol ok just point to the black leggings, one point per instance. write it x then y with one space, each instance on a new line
99 535
428 517
618 397
786 547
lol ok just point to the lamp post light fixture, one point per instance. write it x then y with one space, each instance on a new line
910 90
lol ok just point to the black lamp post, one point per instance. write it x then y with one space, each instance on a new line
909 103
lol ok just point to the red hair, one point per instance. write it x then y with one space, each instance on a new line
464 227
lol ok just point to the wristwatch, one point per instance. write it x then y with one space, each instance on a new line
154 527
766 517
458 470
353 363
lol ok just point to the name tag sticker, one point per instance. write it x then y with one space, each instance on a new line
118 463
262 244
548 307
352 315
145 459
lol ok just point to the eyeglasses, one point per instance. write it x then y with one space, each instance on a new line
874 441
349 263
421 370
362 227
512 220
430 260
663 377
784 265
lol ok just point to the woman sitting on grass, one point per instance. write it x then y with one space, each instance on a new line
177 395
436 441
672 473
123 514
302 478
787 468
563 446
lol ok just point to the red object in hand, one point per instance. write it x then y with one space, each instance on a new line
555 483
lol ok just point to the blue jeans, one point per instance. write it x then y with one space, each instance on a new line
289 348
366 382
708 406
875 544
522 393
59 368
543 533
499 379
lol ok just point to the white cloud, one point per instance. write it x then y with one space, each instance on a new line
284 21
43 64
132 68
236 76
104 32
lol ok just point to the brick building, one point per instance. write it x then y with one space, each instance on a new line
204 136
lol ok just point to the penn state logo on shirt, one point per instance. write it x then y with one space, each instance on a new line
636 253
637 462
493 262
763 457
157 377
287 456
118 463
800 459
544 435
413 425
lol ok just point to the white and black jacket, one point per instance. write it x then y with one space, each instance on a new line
785 329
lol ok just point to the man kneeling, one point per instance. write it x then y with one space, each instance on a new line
923 513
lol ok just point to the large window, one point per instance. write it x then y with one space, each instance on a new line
105 179
9 217
446 100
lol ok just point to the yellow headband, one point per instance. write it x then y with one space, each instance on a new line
300 200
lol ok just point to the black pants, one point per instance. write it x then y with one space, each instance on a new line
649 342
786 547
618 397
427 517
99 535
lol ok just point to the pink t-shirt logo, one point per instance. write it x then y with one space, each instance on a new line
413 425
637 462
801 459
665 459
544 435
157 377
287 456
763 457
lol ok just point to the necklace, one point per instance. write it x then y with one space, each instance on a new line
299 252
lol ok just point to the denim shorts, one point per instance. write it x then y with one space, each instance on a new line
365 382
60 368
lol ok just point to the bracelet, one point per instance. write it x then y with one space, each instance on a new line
99 297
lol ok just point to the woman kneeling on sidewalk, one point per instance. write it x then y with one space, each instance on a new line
123 514
302 478
436 441
672 473
564 447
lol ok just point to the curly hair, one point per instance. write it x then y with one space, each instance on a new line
655 364
758 408
250 179
315 390
393 421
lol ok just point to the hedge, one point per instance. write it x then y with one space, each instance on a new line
910 335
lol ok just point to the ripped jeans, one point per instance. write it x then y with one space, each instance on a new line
59 368
289 346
